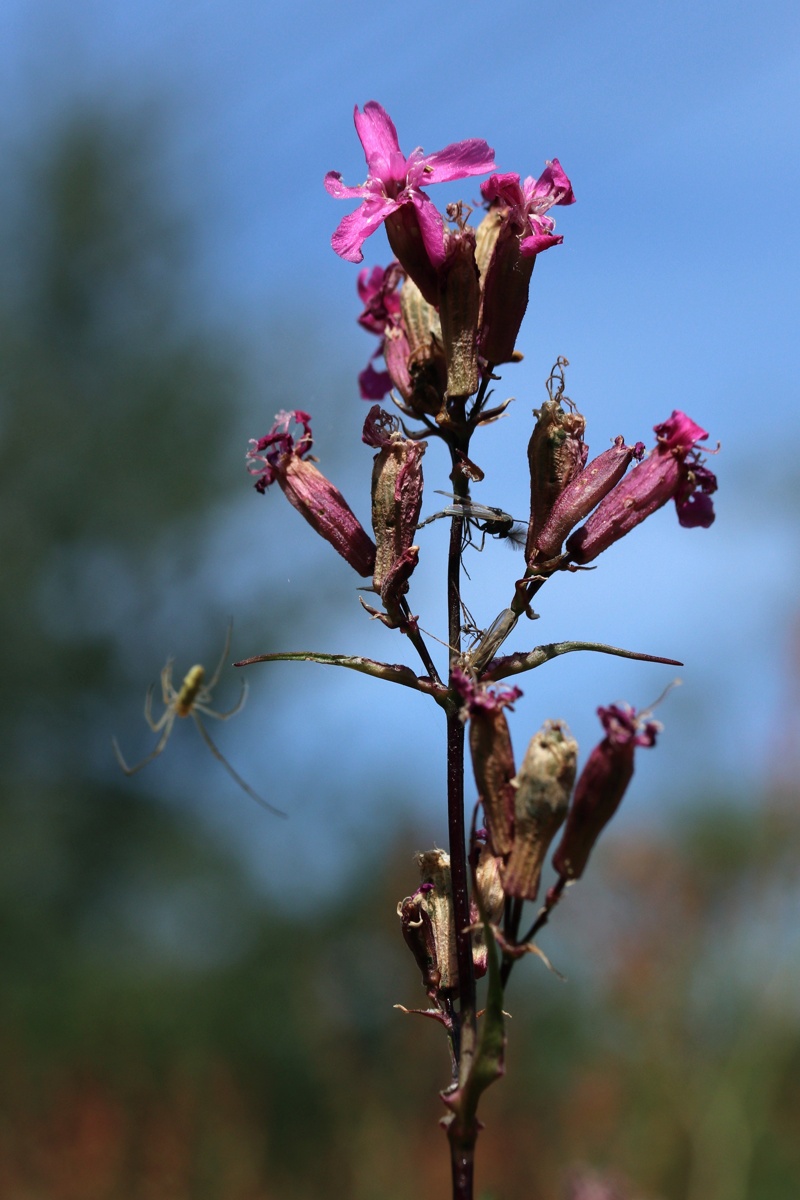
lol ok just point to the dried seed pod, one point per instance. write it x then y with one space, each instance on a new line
556 455
489 885
420 321
418 934
427 364
486 236
543 788
492 757
436 894
396 491
460 298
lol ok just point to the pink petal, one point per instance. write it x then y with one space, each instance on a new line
356 227
374 385
334 187
538 242
431 227
504 187
369 283
553 181
376 131
679 432
459 159
697 511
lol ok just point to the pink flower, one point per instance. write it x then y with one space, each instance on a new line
395 181
283 459
528 204
521 230
671 471
378 290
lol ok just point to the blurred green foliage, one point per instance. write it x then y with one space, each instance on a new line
166 1032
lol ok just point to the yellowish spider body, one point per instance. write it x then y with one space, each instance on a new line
193 698
190 689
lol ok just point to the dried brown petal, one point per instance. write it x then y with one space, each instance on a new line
493 764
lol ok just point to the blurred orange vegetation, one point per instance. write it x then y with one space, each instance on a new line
671 1058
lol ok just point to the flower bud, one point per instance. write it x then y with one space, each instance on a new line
585 491
672 471
315 497
543 788
556 455
601 786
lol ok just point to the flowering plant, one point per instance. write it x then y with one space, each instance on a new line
447 313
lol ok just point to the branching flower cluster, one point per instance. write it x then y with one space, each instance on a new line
446 314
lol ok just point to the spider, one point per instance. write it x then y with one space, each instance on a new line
193 697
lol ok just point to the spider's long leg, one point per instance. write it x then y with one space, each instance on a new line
156 726
223 716
214 680
428 520
148 707
160 744
205 735
167 690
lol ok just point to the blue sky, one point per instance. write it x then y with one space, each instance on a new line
676 286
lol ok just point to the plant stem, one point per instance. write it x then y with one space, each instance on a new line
461 1142
463 1164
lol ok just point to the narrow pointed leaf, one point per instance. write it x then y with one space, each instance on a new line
515 664
393 672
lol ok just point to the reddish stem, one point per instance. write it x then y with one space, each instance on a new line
461 1153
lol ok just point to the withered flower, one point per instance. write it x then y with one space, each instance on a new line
543 787
284 459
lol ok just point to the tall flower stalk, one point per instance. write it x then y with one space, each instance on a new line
447 313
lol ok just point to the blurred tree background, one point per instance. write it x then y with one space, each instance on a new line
166 1028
